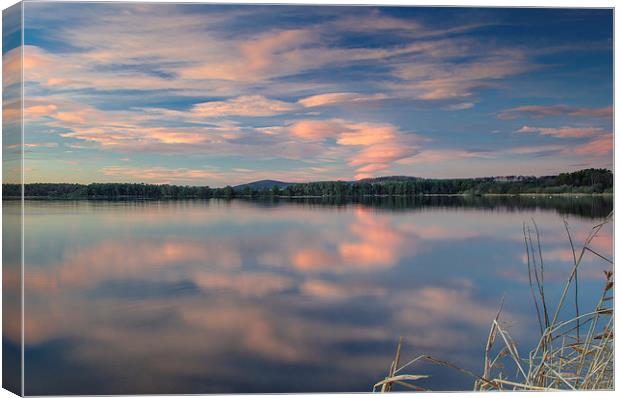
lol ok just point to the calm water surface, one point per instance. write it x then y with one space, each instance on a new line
286 296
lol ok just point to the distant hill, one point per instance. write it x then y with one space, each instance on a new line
263 184
268 184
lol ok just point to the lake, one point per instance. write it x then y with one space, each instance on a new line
298 295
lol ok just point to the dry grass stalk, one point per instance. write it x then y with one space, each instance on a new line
573 354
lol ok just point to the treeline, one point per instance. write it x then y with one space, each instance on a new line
112 190
583 181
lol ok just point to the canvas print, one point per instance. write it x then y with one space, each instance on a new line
204 198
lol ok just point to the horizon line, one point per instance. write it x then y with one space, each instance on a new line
317 181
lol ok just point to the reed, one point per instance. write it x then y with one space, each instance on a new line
572 354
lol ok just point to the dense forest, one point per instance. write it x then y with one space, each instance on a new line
583 181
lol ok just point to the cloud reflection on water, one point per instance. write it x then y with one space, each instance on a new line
187 306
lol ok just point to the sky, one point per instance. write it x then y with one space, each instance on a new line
222 95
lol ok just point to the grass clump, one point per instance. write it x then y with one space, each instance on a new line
575 353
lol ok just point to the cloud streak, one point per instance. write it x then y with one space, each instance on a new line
338 98
563 132
541 111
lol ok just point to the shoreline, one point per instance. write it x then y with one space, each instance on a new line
531 195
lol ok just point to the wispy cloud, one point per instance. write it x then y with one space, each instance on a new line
461 106
34 145
442 75
563 132
537 149
338 98
540 111
159 175
443 155
249 105
599 146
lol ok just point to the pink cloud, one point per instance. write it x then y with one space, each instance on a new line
565 255
248 105
377 146
271 54
134 138
38 111
380 243
338 291
366 134
600 143
380 154
317 129
11 67
131 130
34 145
535 149
374 243
599 146
261 53
314 260
337 98
369 169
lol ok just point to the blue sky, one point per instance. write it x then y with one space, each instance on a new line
217 95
